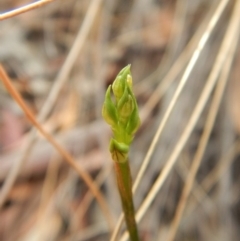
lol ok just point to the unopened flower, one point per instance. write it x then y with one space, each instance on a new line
121 113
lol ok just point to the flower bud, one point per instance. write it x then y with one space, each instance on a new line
109 111
118 88
129 81
120 83
122 114
126 109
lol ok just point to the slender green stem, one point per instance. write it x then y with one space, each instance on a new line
124 182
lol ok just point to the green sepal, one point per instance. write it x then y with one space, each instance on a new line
129 81
125 72
134 123
134 120
127 108
109 111
120 82
118 88
119 151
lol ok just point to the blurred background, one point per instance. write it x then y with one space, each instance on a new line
61 57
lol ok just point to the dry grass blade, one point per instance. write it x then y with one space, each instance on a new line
74 53
174 71
178 92
197 192
181 85
197 111
49 183
85 176
49 103
231 36
213 177
12 175
184 137
24 9
177 25
88 198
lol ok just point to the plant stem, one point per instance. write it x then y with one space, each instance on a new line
124 182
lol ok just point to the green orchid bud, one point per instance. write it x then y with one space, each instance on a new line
125 72
123 115
118 88
126 109
129 81
134 120
109 111
120 82
123 98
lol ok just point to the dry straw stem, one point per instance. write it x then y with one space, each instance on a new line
73 54
52 97
181 143
197 192
231 38
69 159
179 89
214 176
173 41
49 184
24 9
176 68
184 137
88 198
